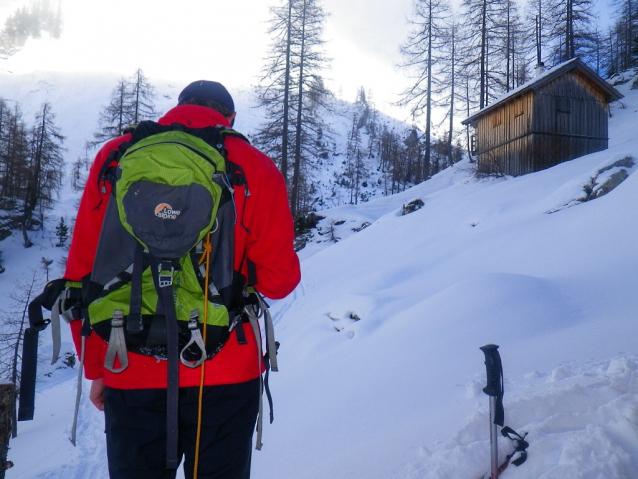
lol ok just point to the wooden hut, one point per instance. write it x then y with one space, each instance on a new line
558 116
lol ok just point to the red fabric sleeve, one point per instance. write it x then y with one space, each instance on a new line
88 223
86 233
268 221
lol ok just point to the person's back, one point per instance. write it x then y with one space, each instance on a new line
134 400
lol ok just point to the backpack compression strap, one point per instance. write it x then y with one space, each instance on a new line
37 323
254 312
163 278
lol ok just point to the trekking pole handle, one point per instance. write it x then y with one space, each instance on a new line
493 370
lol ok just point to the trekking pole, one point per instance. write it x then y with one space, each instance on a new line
494 390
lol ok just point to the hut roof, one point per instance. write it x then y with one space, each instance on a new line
534 84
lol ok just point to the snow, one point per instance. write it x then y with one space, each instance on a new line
381 375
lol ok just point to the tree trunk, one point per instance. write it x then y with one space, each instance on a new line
285 127
450 160
25 229
7 409
425 168
296 175
483 55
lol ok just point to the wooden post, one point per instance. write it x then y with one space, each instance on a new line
7 410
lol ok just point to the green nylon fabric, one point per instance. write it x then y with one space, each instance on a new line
187 292
154 159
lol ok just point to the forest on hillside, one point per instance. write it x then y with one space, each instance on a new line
457 60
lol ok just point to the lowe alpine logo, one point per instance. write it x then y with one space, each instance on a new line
166 212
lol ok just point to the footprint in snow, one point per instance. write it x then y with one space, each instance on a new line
341 322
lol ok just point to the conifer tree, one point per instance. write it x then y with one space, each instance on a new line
45 167
79 173
573 34
131 102
450 95
4 159
7 47
537 21
622 40
143 95
52 20
354 161
423 54
30 22
62 232
475 17
514 46
487 44
392 160
273 137
114 117
291 92
15 155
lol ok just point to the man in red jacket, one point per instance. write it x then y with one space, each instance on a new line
134 400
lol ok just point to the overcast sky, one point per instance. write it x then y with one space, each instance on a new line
223 40
187 40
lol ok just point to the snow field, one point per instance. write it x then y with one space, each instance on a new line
381 373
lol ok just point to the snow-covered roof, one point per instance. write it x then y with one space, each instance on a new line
544 78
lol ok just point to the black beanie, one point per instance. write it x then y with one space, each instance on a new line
207 90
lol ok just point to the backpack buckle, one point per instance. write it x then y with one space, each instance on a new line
165 274
196 339
39 326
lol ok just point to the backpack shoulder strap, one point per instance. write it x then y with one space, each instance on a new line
213 135
230 132
147 128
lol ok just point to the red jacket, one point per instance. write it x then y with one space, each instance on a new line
263 233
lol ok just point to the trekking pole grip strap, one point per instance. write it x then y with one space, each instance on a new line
494 387
493 369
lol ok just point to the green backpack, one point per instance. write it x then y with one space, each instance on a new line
163 278
172 203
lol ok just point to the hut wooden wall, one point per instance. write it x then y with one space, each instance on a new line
564 119
503 139
570 120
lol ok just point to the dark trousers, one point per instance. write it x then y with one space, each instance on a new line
136 431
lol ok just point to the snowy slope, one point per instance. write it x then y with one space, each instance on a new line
381 375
